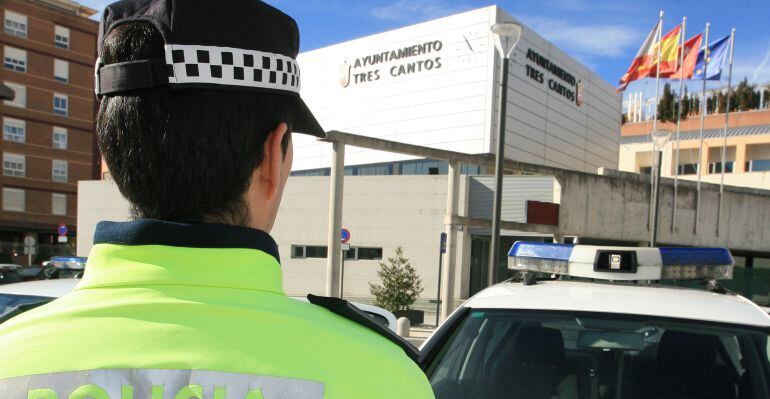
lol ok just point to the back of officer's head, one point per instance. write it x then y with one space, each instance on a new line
183 155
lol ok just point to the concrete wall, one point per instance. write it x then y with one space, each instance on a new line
616 207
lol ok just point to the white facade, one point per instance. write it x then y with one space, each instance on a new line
436 84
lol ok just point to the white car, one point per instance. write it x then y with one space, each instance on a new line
593 322
39 292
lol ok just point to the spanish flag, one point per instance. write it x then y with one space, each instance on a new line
646 62
687 67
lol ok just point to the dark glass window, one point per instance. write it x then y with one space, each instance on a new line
716 167
297 251
315 252
688 169
369 253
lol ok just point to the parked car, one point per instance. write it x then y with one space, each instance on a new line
590 322
19 296
9 273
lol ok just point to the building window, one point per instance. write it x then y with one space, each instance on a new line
424 167
60 106
59 204
14 165
15 59
716 167
19 95
363 253
308 251
14 130
688 169
645 170
15 24
59 138
14 199
758 165
60 170
312 172
62 37
61 71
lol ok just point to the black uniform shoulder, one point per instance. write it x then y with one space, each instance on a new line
347 310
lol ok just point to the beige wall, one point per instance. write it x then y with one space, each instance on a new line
739 149
380 211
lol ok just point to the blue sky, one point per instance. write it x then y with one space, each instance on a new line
603 34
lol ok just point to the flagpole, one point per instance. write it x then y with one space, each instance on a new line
727 122
702 122
653 174
678 122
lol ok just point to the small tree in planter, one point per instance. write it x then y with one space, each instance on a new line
401 286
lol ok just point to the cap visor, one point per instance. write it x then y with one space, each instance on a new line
305 122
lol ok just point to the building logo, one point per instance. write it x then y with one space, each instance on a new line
344 75
579 91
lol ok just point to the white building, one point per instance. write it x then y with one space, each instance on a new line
437 83
433 84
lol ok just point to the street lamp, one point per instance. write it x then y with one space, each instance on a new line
659 140
507 35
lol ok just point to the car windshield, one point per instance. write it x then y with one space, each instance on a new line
9 302
527 354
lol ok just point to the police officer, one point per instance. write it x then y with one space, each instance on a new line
198 99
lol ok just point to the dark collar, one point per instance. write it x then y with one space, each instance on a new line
190 235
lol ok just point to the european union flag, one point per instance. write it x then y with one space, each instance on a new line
717 54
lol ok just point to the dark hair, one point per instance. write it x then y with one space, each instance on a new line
183 155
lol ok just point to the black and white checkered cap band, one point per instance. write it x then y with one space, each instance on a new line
192 64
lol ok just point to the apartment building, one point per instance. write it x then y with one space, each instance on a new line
49 50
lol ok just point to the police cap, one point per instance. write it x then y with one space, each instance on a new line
220 45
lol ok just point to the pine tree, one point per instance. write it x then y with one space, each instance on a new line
685 105
696 107
401 285
743 95
665 105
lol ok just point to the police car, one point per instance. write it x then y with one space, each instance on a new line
595 323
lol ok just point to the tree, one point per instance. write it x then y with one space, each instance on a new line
711 105
665 105
721 102
696 107
401 286
685 105
744 94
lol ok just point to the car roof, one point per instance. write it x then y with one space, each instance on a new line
659 301
45 288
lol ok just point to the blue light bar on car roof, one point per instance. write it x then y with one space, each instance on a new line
541 250
622 263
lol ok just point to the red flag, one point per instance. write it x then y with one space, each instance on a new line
634 72
646 62
687 67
